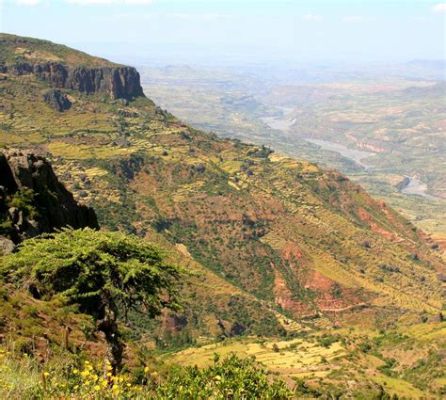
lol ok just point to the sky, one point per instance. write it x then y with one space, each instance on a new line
236 31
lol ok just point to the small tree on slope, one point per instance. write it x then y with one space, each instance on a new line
101 272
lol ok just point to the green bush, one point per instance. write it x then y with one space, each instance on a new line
231 378
24 200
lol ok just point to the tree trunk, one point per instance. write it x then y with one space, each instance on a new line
109 325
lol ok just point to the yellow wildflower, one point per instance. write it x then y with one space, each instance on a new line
85 373
116 390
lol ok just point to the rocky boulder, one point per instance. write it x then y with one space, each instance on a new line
57 100
33 201
6 246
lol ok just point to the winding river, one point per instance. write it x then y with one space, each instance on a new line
411 185
355 155
414 186
283 123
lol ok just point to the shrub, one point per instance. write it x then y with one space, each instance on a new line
231 378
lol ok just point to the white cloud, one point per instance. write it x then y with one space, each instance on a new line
313 17
196 17
81 2
28 2
441 7
352 18
108 2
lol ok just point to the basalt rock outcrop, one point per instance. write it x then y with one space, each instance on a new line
57 100
118 82
33 201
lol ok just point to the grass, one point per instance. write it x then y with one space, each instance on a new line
38 50
427 332
289 358
399 387
320 362
19 377
85 152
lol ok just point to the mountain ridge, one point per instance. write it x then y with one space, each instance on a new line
295 226
277 247
85 73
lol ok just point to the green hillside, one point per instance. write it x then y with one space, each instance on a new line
17 49
276 246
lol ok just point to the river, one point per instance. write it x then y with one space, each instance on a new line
412 186
284 122
416 187
281 123
355 155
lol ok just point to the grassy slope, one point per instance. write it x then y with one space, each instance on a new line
403 117
332 358
15 49
266 233
254 218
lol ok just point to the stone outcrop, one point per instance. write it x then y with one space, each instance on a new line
57 100
6 245
33 201
118 82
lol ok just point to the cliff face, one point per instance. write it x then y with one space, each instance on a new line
33 201
117 82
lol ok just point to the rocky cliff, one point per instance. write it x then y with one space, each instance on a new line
64 68
119 82
33 201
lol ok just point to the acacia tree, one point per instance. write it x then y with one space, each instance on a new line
101 272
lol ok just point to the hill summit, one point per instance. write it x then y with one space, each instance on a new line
64 68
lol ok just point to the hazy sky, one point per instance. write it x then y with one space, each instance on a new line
238 31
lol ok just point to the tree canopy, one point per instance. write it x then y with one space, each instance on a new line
101 272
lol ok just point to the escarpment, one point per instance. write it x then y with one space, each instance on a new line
118 82
63 68
33 201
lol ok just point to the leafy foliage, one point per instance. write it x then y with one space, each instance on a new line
100 272
23 201
83 265
230 378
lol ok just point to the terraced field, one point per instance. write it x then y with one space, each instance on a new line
324 359
377 128
280 249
